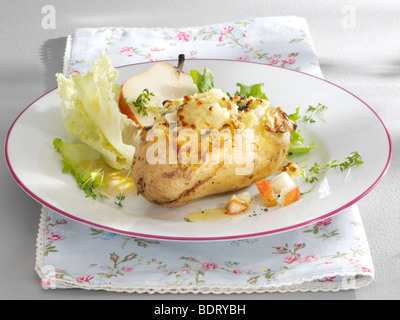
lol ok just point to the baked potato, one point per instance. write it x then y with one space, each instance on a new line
209 143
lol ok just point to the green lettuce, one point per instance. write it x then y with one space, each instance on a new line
205 81
297 141
90 111
255 91
297 144
84 164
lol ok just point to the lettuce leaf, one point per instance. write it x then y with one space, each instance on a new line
295 116
255 91
205 81
90 111
84 163
297 141
297 144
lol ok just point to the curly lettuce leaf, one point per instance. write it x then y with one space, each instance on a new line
295 116
90 111
297 144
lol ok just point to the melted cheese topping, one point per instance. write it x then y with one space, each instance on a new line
215 110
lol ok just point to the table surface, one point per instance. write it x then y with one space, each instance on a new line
357 43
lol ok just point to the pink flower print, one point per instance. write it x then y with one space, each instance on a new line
55 238
156 49
209 266
76 72
299 245
84 279
238 271
366 269
128 269
46 231
325 222
354 261
309 259
243 58
190 259
280 249
328 262
126 51
131 257
289 61
207 29
226 30
182 36
292 258
153 59
185 271
273 62
292 54
46 284
330 279
245 34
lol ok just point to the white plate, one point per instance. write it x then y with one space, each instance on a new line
352 126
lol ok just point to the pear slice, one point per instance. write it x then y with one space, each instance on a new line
165 81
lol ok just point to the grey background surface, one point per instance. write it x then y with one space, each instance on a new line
361 54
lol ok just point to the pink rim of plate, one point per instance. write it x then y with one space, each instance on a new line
221 238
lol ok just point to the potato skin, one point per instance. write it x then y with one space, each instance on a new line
172 185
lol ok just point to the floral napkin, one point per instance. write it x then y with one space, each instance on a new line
330 255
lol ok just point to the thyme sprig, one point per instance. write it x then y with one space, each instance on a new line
354 159
121 196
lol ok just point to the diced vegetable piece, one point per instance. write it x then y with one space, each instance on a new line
290 195
245 196
282 181
238 203
267 193
292 169
126 110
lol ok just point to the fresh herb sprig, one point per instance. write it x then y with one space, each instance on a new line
92 186
121 196
315 111
354 159
142 102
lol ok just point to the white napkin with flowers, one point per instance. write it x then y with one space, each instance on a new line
330 255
